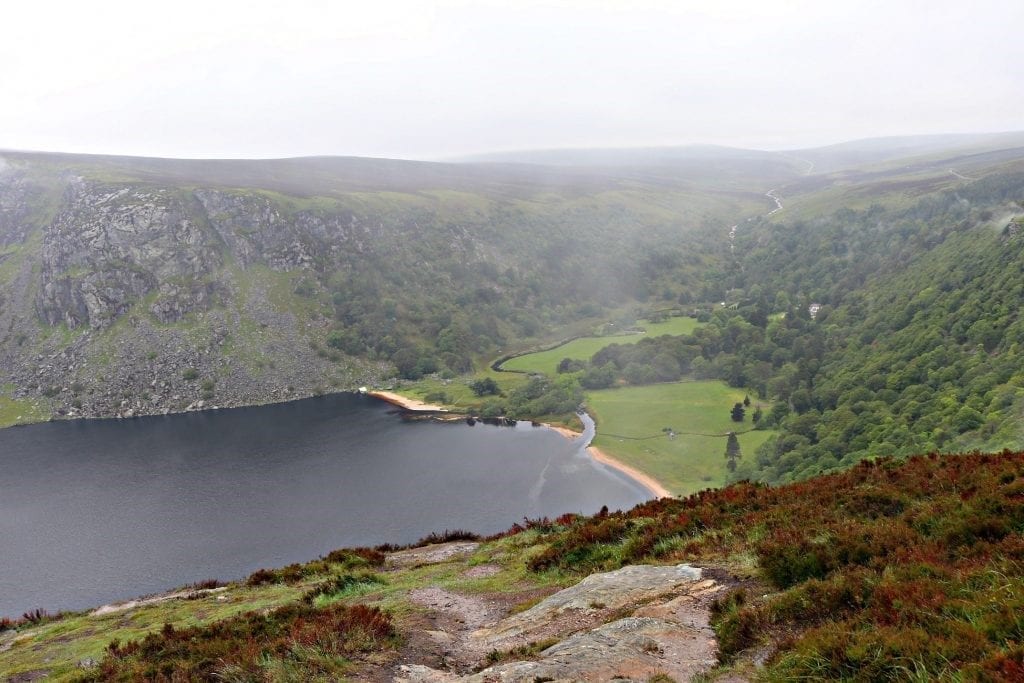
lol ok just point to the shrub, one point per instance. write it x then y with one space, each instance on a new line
248 646
484 387
356 557
261 577
447 537
345 584
736 626
787 558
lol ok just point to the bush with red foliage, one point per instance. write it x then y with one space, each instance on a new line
887 570
245 644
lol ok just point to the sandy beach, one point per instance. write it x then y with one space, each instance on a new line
652 484
564 431
406 402
649 482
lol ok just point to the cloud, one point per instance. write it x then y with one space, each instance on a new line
419 79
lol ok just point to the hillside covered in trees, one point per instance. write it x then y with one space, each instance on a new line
887 330
916 344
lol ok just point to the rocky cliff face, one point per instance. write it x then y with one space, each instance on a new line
123 298
110 246
14 207
256 231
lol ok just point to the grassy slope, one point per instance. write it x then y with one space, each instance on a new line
57 646
460 397
631 419
21 411
888 571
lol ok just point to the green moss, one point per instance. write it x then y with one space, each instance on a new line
23 411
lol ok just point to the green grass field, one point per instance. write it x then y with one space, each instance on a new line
688 462
460 396
583 348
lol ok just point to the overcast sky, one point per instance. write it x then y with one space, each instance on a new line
431 80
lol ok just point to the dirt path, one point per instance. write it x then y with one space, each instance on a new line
455 616
132 604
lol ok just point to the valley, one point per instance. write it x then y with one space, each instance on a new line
832 389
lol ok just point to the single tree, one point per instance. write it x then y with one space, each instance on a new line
746 401
738 413
732 452
758 414
484 387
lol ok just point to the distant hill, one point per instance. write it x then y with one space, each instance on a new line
845 155
878 150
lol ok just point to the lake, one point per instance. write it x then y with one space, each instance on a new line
93 511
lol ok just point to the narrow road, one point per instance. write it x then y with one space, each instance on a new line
960 176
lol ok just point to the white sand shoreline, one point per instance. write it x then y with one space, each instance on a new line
406 402
656 488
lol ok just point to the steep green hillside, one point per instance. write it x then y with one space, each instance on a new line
883 331
915 346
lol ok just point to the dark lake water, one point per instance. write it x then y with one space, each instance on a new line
94 511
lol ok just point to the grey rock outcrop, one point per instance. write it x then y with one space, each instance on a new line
110 246
126 298
630 624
